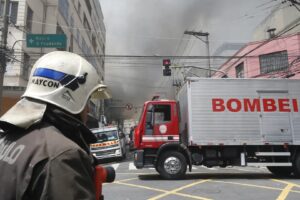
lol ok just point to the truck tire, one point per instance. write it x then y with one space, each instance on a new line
172 165
281 171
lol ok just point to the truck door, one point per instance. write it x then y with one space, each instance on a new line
159 126
275 126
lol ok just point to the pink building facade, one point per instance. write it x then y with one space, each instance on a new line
275 58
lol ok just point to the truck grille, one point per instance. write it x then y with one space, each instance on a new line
105 152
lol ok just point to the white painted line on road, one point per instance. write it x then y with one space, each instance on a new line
115 166
132 167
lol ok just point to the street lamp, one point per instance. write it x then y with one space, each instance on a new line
197 35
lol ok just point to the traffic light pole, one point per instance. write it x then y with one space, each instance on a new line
3 48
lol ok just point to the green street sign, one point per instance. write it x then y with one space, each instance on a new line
46 41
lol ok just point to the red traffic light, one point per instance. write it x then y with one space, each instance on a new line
166 62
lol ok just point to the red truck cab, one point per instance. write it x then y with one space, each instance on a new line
157 139
158 124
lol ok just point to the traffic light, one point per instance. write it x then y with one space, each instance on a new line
166 70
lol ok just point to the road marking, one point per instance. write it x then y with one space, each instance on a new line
181 188
132 167
248 185
285 192
159 190
140 186
124 180
115 166
251 185
286 182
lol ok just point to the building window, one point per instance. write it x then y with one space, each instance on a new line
239 71
272 62
26 65
63 6
12 11
29 18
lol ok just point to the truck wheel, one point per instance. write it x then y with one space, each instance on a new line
172 165
281 171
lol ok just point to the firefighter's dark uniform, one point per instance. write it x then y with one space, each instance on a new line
48 160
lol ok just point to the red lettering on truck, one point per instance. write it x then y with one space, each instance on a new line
255 105
234 105
251 105
218 105
295 105
269 105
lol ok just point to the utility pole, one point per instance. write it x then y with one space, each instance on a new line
3 48
197 35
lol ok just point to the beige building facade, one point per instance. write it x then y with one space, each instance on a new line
81 21
282 20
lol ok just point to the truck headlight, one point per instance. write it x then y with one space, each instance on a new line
118 151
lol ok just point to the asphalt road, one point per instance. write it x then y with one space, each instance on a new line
236 183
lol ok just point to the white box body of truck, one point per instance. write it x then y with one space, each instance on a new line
240 111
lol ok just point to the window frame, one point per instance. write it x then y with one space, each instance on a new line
273 62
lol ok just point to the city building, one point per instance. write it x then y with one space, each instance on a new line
281 20
275 52
276 58
80 22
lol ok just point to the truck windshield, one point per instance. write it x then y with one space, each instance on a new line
106 136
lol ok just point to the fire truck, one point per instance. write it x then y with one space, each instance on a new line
222 122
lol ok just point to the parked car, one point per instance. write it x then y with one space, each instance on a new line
110 144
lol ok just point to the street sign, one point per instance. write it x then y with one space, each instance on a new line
46 41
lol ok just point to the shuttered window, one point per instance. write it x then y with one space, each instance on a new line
272 62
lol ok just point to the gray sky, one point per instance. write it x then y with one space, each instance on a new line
155 28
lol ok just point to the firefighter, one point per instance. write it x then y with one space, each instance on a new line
44 151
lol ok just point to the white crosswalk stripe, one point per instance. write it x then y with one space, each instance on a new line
132 167
115 166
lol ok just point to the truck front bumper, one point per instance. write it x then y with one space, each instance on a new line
139 159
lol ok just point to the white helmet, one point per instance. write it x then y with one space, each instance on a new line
66 80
